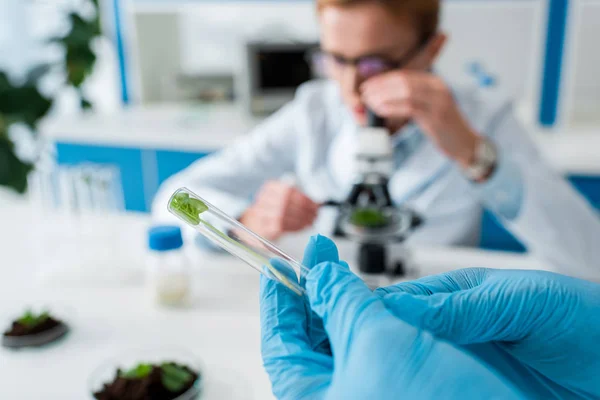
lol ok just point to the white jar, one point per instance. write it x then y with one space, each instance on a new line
169 267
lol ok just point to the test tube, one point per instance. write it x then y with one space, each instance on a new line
238 240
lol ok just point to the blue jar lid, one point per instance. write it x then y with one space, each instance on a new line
165 238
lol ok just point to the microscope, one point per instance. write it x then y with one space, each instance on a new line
369 217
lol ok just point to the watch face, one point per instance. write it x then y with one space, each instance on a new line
485 159
489 151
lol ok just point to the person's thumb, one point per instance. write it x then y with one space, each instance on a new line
320 249
465 317
343 301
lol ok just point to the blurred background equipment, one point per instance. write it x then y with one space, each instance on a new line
69 205
275 71
370 218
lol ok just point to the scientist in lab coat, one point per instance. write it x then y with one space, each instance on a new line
456 150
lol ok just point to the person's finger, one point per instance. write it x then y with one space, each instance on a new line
319 249
283 219
285 345
400 85
488 312
282 315
271 198
287 341
343 301
291 223
394 109
299 200
448 282
298 216
381 83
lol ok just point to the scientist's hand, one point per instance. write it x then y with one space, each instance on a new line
375 354
426 99
279 208
547 322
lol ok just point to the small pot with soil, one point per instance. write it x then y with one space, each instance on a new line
34 330
160 378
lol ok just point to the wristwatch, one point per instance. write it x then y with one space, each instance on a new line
484 162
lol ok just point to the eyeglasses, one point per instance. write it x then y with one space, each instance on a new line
366 66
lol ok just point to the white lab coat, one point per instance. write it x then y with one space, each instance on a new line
313 138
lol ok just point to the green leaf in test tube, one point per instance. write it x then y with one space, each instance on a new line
188 208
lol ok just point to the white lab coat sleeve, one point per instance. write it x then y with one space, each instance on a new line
554 221
229 178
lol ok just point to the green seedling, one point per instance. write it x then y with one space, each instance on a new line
188 208
138 372
31 320
191 209
173 377
369 218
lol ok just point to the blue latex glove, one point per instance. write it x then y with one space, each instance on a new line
375 354
548 324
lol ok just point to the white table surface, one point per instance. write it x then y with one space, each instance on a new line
112 316
109 318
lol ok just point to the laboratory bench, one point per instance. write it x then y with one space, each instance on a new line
92 268
149 144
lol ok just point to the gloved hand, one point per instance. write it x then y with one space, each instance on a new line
375 354
548 324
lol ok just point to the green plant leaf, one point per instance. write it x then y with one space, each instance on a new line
36 73
23 104
188 208
81 33
172 385
80 61
369 218
174 377
13 172
31 320
4 81
140 371
176 372
85 104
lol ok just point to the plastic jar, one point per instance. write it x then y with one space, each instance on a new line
169 267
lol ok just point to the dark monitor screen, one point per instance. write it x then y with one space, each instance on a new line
283 69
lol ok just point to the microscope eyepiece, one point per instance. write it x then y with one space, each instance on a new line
374 120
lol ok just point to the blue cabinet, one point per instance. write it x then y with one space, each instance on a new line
169 163
589 186
495 237
142 171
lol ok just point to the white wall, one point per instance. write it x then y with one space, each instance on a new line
26 26
506 35
212 35
582 80
161 58
14 36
